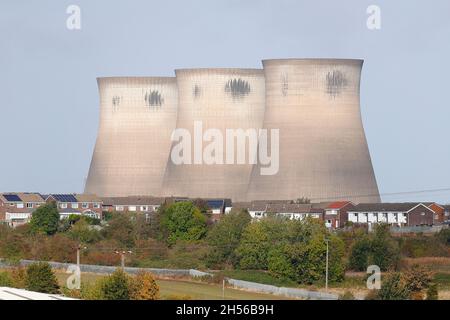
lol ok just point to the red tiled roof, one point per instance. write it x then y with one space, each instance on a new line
338 204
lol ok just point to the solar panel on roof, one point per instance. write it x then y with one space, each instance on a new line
215 203
65 197
12 197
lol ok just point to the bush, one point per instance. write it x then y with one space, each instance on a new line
40 278
432 292
144 287
347 295
116 286
360 254
393 287
19 277
5 279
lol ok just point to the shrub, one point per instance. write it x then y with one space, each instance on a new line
432 292
347 295
144 287
393 287
360 254
19 277
40 278
5 279
116 286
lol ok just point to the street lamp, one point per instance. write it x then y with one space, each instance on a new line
122 257
326 267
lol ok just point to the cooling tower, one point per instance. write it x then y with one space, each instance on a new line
323 153
218 99
137 117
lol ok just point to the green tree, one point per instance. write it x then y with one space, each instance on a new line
116 286
45 219
83 232
183 221
360 254
40 278
384 249
120 228
225 237
5 279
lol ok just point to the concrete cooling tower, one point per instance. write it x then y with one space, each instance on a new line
323 153
217 99
137 117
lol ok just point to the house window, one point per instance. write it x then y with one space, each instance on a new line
75 205
96 205
144 208
119 208
29 205
63 205
131 208
85 205
20 205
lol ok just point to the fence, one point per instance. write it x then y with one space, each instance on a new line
238 284
418 229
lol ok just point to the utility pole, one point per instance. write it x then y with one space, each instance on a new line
326 267
78 255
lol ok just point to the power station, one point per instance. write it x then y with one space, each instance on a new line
212 133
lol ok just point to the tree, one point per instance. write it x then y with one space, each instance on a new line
120 228
40 278
225 237
83 232
360 254
183 221
385 251
45 219
116 286
144 287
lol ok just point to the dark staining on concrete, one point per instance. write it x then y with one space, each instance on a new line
153 99
238 88
196 92
335 83
116 102
284 84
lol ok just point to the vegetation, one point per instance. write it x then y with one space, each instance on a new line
40 278
45 219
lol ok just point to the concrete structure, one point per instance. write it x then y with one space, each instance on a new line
218 99
137 117
323 150
314 103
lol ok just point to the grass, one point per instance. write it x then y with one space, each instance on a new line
183 289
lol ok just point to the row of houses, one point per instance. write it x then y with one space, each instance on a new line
17 208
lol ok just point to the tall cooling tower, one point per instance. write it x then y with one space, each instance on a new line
323 150
137 117
218 99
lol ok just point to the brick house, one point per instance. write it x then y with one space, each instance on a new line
400 214
439 212
17 208
336 214
76 204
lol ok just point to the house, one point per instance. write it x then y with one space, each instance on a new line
17 208
294 211
76 204
400 214
439 212
336 213
144 204
218 207
446 212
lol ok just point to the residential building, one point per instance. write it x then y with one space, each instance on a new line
400 214
439 211
132 204
336 213
17 208
76 204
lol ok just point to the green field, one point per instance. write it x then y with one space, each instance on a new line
182 289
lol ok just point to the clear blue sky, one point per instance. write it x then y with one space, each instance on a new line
48 92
